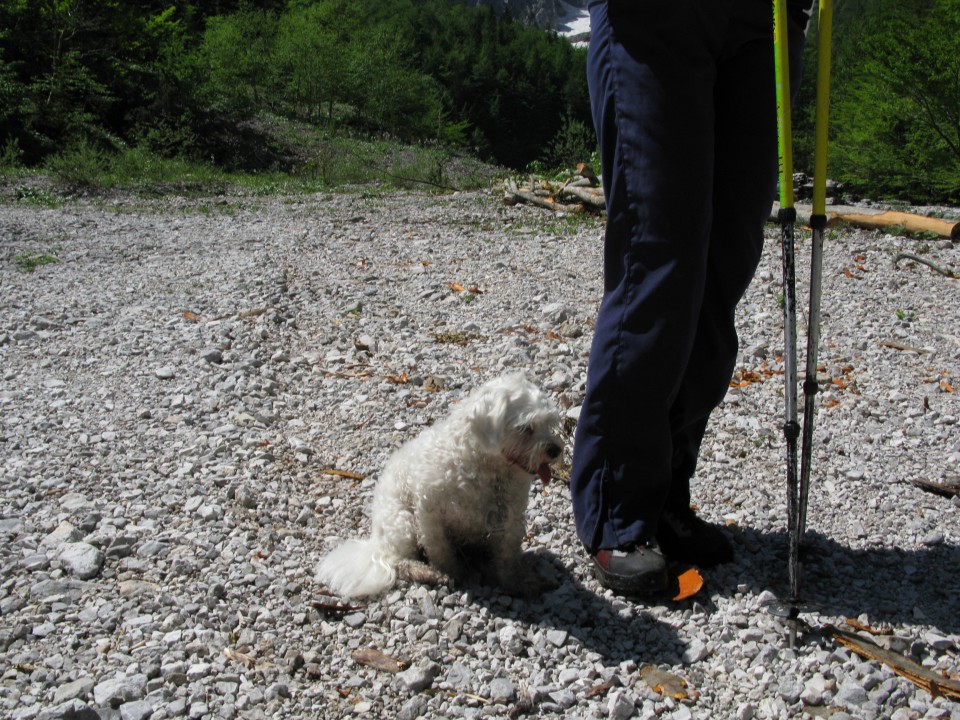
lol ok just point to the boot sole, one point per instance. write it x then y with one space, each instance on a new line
649 584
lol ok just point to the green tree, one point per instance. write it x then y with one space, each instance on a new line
897 113
313 56
238 52
392 97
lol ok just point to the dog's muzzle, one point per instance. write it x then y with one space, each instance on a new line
543 470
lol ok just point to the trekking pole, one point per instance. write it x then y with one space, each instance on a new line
818 221
798 489
787 217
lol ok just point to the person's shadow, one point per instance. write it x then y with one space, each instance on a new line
889 584
604 623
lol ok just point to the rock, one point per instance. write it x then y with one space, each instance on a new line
136 710
620 705
121 546
791 689
851 695
813 690
556 313
501 691
245 498
75 689
166 372
695 651
354 620
459 677
418 678
413 708
276 691
70 710
82 559
121 689
74 501
557 638
64 533
135 588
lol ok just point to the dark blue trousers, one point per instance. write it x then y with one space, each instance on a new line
683 98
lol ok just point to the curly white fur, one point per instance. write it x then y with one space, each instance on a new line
456 492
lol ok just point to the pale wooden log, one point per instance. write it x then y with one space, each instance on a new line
591 196
878 220
513 195
908 221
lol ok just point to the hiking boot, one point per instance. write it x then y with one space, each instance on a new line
632 570
686 538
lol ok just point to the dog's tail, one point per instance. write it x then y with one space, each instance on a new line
358 568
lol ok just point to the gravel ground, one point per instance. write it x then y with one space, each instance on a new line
196 397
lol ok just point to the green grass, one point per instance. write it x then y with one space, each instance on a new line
325 163
457 337
28 262
38 197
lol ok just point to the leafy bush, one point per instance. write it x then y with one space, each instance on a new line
575 142
78 168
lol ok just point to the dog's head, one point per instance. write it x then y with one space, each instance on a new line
514 418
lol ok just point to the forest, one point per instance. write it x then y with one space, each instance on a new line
238 84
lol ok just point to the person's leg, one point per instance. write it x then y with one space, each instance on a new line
744 189
651 77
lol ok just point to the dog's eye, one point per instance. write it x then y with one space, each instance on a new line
526 429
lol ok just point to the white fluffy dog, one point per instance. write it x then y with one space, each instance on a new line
456 494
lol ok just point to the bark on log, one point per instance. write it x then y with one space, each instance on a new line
932 682
941 489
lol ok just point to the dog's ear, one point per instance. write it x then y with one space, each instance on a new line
488 417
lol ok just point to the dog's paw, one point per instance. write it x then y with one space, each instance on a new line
529 578
531 587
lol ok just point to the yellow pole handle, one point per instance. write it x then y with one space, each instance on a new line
824 39
784 133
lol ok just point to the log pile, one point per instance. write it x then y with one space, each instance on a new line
579 194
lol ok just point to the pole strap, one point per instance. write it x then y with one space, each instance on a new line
791 430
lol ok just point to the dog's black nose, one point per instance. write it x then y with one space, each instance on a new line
553 451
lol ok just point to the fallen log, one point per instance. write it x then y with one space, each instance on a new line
920 676
941 489
891 219
591 196
879 220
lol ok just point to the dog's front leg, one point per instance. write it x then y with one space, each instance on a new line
441 553
506 567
